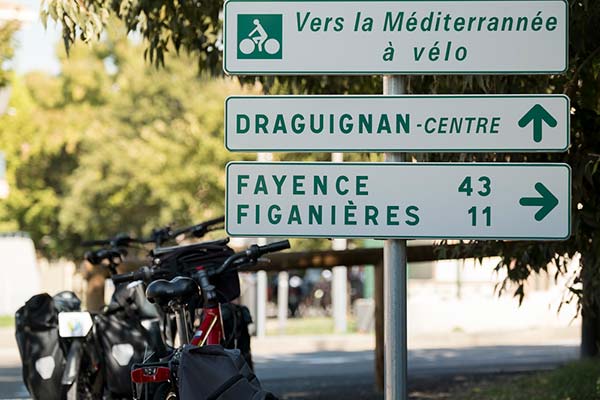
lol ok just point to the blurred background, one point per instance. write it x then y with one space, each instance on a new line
102 141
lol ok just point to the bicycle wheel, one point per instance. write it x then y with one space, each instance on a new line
247 46
81 389
272 46
164 392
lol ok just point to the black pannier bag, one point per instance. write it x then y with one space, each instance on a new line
215 373
122 337
208 255
236 319
42 358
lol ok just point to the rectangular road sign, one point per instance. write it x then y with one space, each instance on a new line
399 200
466 123
385 37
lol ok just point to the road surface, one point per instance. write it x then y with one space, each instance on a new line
335 375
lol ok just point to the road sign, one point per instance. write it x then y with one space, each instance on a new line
467 123
406 200
386 37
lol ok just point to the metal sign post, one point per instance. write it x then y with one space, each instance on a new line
339 288
396 201
261 279
394 292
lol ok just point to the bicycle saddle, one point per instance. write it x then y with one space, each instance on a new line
179 288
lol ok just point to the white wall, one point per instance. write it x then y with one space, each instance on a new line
19 276
442 305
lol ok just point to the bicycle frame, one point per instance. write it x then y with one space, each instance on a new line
209 332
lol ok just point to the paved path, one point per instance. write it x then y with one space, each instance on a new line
11 384
349 375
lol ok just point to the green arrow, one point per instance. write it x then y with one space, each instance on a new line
548 201
537 114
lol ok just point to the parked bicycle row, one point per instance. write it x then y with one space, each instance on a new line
170 330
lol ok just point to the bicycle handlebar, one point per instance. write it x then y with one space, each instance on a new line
200 229
120 240
158 236
276 246
143 274
96 257
251 254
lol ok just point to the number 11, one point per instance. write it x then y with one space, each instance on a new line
487 211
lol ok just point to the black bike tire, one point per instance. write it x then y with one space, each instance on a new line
164 392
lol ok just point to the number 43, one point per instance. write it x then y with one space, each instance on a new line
466 187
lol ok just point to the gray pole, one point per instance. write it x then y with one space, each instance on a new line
283 288
394 291
261 278
339 280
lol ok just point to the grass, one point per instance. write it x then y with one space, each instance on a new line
307 326
576 381
7 321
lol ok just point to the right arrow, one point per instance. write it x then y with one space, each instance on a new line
537 114
548 201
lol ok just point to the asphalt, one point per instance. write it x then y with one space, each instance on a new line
349 375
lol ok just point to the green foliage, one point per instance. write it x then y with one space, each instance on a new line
194 26
7 321
582 84
124 148
308 326
7 31
166 26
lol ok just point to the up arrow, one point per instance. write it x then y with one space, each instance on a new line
537 114
548 201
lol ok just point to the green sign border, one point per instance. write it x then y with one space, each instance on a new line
392 72
416 165
401 149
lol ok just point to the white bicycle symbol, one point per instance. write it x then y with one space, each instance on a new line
258 38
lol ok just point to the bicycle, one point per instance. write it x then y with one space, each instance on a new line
197 274
259 39
56 345
130 327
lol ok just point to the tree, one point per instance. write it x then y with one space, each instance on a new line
7 31
112 145
174 26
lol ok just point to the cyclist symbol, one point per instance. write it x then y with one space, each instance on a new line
259 39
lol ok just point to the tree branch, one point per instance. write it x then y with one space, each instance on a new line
573 80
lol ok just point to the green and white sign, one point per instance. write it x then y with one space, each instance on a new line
257 25
466 123
399 200
386 37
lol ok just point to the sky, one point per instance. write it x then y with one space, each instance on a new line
36 47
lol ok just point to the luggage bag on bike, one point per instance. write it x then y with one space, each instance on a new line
43 359
236 319
122 337
214 373
184 259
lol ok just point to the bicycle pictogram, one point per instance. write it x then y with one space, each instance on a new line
260 36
